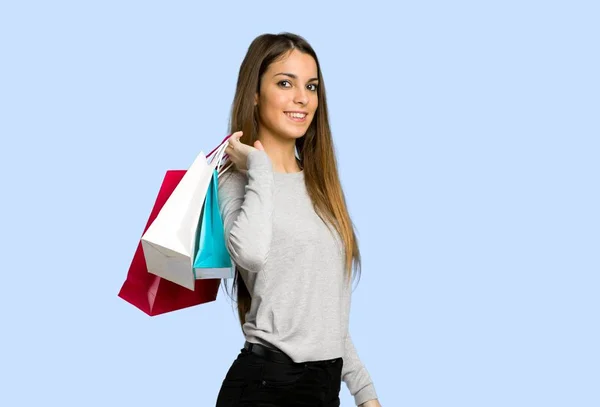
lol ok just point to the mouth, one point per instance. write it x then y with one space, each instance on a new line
297 116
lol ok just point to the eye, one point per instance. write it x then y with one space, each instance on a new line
314 87
281 83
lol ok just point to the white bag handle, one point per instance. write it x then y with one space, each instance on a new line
218 155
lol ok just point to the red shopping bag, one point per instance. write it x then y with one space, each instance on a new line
155 295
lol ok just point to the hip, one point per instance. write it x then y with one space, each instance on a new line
257 379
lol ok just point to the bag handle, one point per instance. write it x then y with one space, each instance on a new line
218 154
217 147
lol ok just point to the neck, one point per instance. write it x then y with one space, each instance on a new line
281 152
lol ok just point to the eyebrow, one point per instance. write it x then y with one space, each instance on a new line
291 75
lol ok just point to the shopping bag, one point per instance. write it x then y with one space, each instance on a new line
169 242
152 294
212 260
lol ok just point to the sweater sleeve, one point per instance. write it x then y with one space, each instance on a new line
354 373
246 205
356 376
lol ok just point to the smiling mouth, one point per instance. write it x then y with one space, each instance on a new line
296 116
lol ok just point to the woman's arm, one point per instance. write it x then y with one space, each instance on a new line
371 403
246 205
354 373
357 377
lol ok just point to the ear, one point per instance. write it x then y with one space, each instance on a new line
256 99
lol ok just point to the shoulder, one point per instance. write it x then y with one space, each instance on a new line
232 182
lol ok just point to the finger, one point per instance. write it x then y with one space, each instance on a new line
236 136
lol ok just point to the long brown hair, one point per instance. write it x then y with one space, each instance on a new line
315 148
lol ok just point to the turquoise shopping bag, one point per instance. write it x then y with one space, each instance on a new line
211 259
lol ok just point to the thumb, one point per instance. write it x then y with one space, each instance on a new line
258 145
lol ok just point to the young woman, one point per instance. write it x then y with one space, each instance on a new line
289 234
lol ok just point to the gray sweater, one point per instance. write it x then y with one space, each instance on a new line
293 266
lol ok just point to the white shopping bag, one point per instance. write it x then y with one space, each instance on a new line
169 242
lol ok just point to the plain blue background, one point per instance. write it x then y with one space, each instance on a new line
468 142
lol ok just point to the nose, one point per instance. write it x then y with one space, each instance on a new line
301 96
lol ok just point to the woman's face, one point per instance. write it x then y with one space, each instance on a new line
287 101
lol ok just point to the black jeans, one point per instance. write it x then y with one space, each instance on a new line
257 382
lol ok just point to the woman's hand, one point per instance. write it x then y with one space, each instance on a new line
371 403
238 151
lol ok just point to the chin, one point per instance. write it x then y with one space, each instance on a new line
293 134
298 135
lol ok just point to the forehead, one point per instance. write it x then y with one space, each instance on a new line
295 62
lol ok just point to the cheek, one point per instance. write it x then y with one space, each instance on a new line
279 101
275 106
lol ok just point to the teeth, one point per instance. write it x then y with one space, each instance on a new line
297 115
